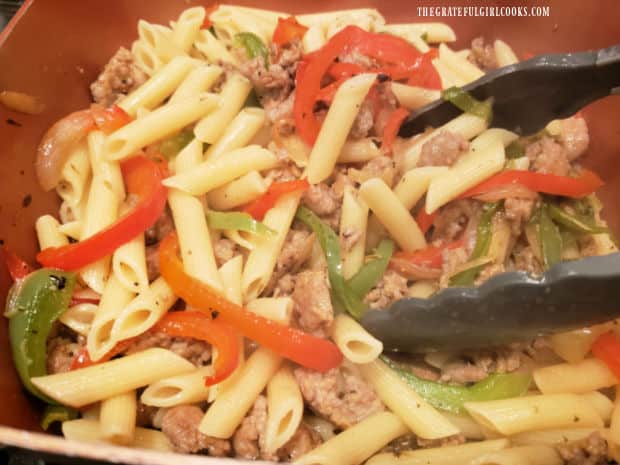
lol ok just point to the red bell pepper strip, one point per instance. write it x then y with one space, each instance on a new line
585 184
386 48
425 220
18 268
199 325
391 128
209 11
431 256
143 178
342 69
109 119
327 93
287 30
427 76
607 348
298 346
259 207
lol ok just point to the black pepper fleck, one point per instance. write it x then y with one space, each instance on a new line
26 201
382 77
12 122
59 281
215 314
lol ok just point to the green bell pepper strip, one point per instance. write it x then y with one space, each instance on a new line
515 150
341 291
484 235
253 45
33 306
549 238
369 275
55 413
452 398
574 222
238 221
171 147
465 102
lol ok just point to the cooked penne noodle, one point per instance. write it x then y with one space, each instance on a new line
157 125
353 221
336 126
79 317
392 214
231 405
239 132
462 67
448 77
549 411
230 274
414 183
214 50
601 403
143 311
159 87
114 299
117 418
198 81
72 230
185 389
159 38
262 259
233 95
551 437
356 344
48 232
146 58
413 97
477 167
191 224
359 150
285 408
279 309
129 264
84 430
504 54
238 192
574 346
94 383
614 424
213 174
357 443
449 455
585 376
314 38
423 289
187 26
75 176
432 32
524 455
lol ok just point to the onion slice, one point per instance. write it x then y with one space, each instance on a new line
412 270
56 145
507 191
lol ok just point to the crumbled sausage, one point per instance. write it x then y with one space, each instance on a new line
452 219
482 55
197 352
295 252
548 156
249 439
302 442
180 425
60 354
364 121
381 167
476 365
589 451
119 77
443 149
320 199
525 260
313 307
518 211
224 249
454 440
162 227
340 395
391 287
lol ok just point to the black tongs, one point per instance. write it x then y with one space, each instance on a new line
509 307
514 306
527 95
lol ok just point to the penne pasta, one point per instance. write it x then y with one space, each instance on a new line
117 418
79 317
462 67
355 343
585 376
184 389
353 221
210 175
214 50
187 26
94 383
157 125
84 430
419 416
279 309
198 81
523 455
336 126
239 132
504 54
412 97
359 150
230 274
551 437
48 232
238 192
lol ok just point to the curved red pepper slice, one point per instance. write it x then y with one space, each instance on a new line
143 178
607 348
391 128
199 325
585 184
259 207
425 220
298 346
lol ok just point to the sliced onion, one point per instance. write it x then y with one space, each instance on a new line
57 144
507 191
412 270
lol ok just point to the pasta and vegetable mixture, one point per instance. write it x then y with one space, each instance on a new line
238 196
